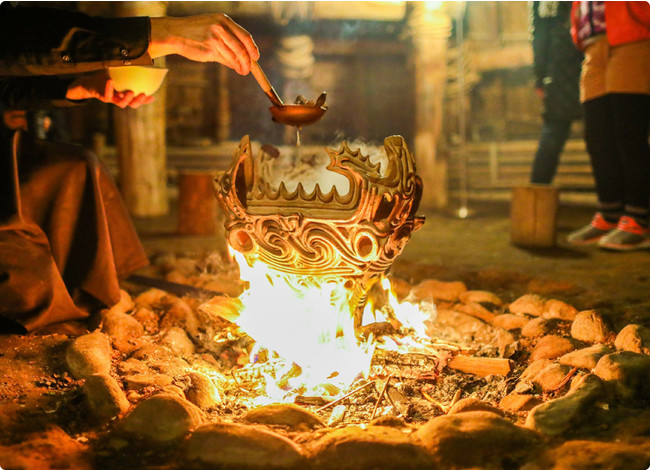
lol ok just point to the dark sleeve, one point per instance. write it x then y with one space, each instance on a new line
29 93
541 40
38 41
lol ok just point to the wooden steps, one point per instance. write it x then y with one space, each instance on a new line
501 165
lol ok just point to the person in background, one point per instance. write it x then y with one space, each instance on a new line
65 235
615 92
556 65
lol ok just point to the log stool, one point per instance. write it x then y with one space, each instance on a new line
197 205
533 216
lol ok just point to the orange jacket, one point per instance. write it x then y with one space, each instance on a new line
625 22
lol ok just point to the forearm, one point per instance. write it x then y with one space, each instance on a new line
37 41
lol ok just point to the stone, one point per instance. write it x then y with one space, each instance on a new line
177 276
505 342
528 304
551 377
186 264
509 321
180 314
202 391
516 402
476 310
292 416
476 439
551 347
123 330
162 359
178 342
161 418
132 366
560 310
104 396
535 368
153 298
637 425
375 447
627 375
538 327
165 261
480 296
438 290
587 455
225 286
585 358
147 381
465 405
147 318
555 417
125 303
48 448
89 355
462 323
634 338
589 326
172 390
233 445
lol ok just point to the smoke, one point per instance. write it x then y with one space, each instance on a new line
308 165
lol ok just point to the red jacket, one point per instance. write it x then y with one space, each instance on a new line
625 22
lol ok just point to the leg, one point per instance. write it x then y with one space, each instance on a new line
603 153
631 118
607 169
551 143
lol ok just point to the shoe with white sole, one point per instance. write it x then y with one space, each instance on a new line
627 236
593 232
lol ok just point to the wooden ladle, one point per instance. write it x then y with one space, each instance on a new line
302 113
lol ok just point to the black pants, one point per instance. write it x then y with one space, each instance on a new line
551 143
616 134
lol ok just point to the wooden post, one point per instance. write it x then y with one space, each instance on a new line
197 204
223 117
430 30
533 216
140 139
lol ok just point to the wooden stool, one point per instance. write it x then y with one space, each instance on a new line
197 205
533 215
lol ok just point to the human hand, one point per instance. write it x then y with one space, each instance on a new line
98 85
204 38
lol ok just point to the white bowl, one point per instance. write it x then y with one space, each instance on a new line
137 78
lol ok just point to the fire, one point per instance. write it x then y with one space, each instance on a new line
306 333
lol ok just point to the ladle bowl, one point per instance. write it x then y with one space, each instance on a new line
302 113
299 115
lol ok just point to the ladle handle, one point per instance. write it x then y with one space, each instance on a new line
260 76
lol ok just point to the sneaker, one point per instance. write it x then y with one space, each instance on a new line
628 236
593 232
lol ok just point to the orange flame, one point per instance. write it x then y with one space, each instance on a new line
310 327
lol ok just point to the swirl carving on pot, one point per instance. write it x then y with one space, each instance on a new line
327 236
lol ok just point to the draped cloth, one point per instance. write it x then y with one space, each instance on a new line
65 235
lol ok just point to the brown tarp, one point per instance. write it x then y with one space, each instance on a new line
69 239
